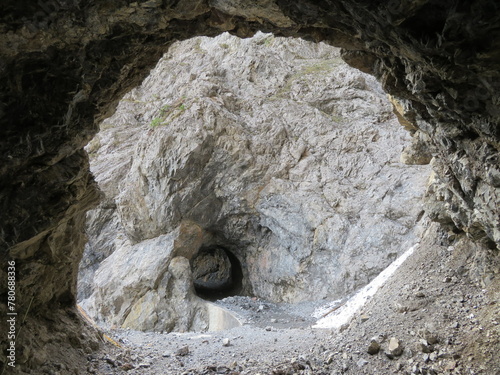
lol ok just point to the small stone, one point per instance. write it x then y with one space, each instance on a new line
361 362
144 365
329 358
400 308
425 347
430 337
420 294
444 354
226 342
394 349
343 327
374 347
269 328
449 366
166 354
433 356
274 320
183 351
364 318
110 361
127 367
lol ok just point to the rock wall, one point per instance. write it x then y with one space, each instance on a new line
276 150
65 64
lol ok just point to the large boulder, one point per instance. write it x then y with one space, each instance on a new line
287 160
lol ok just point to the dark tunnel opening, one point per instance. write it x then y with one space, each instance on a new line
217 273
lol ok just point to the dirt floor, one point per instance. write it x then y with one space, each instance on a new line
437 314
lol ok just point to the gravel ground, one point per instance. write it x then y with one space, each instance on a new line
438 314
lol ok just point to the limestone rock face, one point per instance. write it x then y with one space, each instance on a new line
277 150
146 287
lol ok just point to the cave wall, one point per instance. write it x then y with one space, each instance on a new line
64 64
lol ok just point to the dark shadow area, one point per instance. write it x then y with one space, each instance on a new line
217 273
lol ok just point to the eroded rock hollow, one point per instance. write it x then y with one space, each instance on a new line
212 271
65 64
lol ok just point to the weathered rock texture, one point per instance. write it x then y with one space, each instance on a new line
275 149
65 64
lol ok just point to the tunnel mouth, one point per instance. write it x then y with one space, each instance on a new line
217 273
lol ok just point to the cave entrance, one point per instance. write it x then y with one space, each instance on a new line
217 273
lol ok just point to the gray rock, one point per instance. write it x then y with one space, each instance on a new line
184 351
430 337
329 358
425 347
43 134
361 362
127 367
395 348
373 347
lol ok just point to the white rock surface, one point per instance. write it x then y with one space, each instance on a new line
330 317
